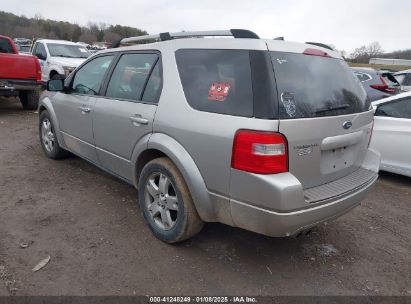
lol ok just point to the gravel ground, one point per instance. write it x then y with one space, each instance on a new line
90 225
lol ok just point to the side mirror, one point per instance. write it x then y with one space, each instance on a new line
55 85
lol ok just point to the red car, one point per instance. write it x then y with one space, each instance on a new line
20 75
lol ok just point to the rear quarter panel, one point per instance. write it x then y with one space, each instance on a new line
207 137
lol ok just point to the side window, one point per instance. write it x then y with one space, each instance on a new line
362 77
89 78
400 78
153 87
130 76
217 81
40 51
397 109
407 81
5 46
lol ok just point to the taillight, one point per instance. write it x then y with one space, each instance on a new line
369 133
259 152
384 87
38 70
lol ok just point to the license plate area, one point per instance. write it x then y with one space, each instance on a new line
337 159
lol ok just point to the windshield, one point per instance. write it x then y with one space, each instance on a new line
314 86
69 51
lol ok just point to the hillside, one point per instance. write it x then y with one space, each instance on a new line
21 26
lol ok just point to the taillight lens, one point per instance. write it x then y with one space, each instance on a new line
369 133
384 87
259 152
38 71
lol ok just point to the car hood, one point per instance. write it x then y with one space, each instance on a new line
72 62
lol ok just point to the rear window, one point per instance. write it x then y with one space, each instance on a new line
5 46
314 86
217 81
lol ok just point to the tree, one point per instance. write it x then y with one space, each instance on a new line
364 53
38 27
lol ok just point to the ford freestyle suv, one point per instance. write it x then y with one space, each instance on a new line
267 135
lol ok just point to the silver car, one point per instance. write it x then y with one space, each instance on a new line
266 135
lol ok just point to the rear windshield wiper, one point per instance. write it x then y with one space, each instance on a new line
340 107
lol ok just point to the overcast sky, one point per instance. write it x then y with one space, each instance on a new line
347 24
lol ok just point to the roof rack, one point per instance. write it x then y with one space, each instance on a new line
236 33
321 45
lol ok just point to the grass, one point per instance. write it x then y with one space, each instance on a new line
394 68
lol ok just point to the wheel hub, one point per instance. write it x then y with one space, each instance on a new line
161 201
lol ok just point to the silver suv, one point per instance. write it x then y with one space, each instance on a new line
266 135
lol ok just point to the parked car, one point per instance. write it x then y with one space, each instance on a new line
392 133
197 126
404 79
24 48
58 58
22 41
377 84
20 75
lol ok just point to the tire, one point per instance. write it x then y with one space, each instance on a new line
29 99
52 150
160 203
57 76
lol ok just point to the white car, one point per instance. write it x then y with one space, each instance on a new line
392 133
404 79
58 58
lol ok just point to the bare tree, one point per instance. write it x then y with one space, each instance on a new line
111 37
374 49
364 53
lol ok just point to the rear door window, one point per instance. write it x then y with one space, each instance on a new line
315 86
153 87
362 76
5 46
130 76
217 81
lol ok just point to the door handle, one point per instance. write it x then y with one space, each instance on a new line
85 109
138 120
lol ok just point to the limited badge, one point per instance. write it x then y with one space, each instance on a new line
219 91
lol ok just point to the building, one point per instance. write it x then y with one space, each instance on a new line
389 61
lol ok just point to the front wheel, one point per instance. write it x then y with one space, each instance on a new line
166 202
48 138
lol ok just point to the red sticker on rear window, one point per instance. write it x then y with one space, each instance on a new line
219 91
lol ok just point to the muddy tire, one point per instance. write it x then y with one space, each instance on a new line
166 202
29 99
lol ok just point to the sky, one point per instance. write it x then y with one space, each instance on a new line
346 24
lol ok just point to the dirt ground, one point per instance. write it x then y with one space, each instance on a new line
90 225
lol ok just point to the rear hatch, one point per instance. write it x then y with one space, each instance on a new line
324 114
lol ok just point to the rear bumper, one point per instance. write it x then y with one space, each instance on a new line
291 209
11 87
278 224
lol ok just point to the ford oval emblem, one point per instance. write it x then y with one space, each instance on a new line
347 124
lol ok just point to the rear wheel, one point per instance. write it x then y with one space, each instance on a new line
29 99
56 76
48 138
166 202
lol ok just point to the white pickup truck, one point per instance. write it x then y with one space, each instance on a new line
58 58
